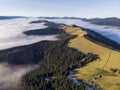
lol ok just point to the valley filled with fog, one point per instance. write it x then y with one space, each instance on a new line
11 32
12 35
110 32
10 75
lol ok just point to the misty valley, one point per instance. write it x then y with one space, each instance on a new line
40 54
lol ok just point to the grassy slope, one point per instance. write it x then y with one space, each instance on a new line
109 80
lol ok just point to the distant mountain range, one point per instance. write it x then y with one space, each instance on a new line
114 21
9 17
105 21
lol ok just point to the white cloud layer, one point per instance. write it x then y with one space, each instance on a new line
10 75
110 32
11 32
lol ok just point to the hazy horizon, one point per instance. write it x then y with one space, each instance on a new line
53 8
56 16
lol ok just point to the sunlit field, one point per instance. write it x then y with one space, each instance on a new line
98 71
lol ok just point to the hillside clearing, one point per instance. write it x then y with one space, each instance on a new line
101 67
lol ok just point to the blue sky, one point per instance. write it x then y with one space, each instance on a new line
77 8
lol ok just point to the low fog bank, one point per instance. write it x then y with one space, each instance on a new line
11 32
110 32
10 75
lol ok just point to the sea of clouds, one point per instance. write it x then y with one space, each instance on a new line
11 32
11 35
111 32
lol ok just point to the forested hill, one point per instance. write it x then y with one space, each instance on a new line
55 59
